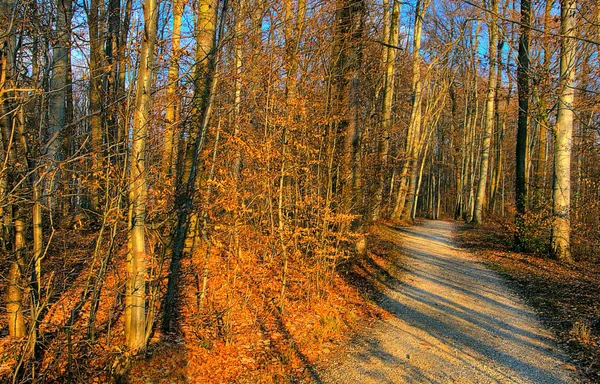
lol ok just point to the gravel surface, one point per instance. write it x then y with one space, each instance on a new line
455 321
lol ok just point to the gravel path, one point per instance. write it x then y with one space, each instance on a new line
455 322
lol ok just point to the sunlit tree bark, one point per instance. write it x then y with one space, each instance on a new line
13 220
204 87
348 62
490 115
135 310
96 73
173 107
408 175
292 32
561 193
389 79
544 120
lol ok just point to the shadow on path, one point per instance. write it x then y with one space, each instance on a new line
453 321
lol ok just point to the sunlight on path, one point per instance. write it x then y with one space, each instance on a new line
455 322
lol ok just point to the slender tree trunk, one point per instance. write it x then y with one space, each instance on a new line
292 37
205 83
238 54
112 89
172 111
14 292
59 87
561 193
385 50
522 124
205 44
473 147
500 120
386 114
489 115
95 101
136 259
13 222
544 121
500 152
122 73
461 169
408 175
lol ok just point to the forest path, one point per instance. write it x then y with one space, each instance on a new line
455 321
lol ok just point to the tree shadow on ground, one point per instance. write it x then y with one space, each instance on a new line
444 319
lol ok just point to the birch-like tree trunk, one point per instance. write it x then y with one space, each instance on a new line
409 167
13 221
238 57
561 193
544 120
135 312
14 291
489 114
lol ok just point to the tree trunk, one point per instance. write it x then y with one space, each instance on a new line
205 44
172 110
489 115
14 292
403 205
13 222
292 41
544 121
386 114
95 111
136 259
522 124
205 84
561 193
238 54
348 51
59 87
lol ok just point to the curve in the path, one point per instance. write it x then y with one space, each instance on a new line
455 321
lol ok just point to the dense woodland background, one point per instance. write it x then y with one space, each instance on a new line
203 171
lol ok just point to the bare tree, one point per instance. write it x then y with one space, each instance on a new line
523 120
408 175
204 87
135 311
389 79
561 193
173 108
490 114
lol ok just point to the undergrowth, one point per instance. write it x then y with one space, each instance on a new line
234 330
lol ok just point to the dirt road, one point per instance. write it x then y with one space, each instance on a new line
454 321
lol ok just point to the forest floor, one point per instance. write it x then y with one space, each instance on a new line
436 302
454 320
